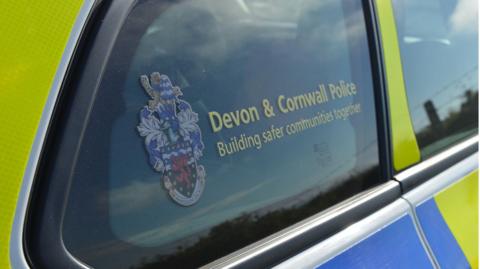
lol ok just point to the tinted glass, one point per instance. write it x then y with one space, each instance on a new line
439 48
220 122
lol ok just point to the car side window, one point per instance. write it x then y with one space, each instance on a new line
439 51
217 123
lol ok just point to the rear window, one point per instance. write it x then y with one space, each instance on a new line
439 49
217 123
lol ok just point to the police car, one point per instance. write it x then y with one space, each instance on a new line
239 134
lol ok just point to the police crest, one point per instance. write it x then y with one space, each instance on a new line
173 139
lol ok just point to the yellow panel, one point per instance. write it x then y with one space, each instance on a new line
32 40
404 142
459 207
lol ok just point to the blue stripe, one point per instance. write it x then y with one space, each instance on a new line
395 246
444 245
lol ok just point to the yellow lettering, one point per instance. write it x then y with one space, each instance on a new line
280 105
221 149
215 121
227 120
254 113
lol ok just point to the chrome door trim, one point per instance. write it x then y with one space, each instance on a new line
424 171
447 168
17 254
354 234
342 241
438 183
364 203
443 180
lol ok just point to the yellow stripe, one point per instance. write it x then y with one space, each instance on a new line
32 40
404 142
459 207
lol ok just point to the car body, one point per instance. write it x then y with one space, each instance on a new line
249 134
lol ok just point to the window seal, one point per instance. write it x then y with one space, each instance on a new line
379 82
427 169
294 239
23 253
342 241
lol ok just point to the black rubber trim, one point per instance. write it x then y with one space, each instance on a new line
423 175
281 252
380 85
43 244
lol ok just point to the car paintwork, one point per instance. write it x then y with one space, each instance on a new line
404 143
34 35
450 223
396 245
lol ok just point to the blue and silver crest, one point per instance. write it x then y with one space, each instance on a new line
173 139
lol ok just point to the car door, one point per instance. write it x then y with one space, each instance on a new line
441 81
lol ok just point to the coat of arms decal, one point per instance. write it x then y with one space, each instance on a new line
173 139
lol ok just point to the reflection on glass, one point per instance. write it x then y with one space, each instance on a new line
224 55
439 47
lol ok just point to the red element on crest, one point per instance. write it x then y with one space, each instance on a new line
181 168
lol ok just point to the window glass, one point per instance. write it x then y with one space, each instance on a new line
439 49
220 122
